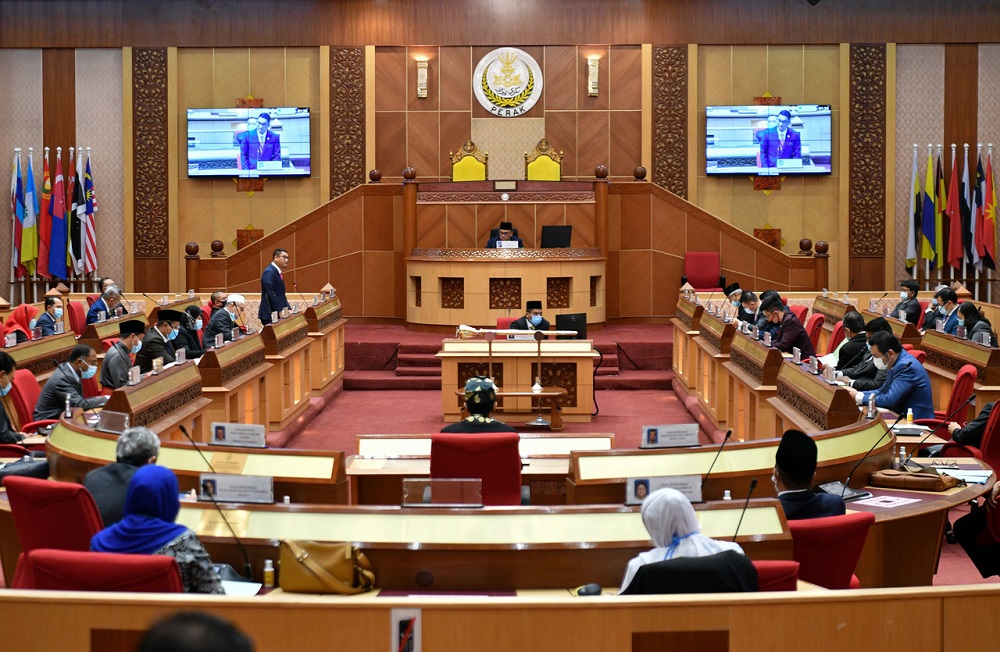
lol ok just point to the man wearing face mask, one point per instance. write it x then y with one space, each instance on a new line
748 307
159 341
733 293
67 381
862 373
118 359
53 313
225 320
944 308
906 386
7 434
908 302
791 333
532 320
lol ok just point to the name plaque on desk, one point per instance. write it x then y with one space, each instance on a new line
226 488
246 435
638 488
669 436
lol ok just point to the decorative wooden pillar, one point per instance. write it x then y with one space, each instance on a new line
670 118
601 209
151 259
822 265
409 210
192 266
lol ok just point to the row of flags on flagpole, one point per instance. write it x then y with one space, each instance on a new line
966 212
56 237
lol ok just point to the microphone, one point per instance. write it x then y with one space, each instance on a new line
716 458
753 485
708 303
861 352
211 496
850 475
945 421
301 296
122 297
882 297
847 294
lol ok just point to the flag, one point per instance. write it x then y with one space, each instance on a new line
977 215
29 230
965 208
927 215
939 204
989 216
954 213
45 221
57 215
90 225
17 216
914 218
76 218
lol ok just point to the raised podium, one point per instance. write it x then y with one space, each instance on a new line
286 347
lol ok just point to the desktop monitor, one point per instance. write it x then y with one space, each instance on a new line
556 236
576 321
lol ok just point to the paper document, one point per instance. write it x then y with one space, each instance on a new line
886 501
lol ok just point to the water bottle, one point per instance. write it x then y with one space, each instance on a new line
872 411
69 408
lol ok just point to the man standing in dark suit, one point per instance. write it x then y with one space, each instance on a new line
52 313
158 341
67 381
272 287
908 303
136 447
791 333
118 359
532 320
780 142
794 469
261 145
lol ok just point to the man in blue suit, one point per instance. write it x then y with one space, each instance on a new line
780 142
261 145
109 303
944 308
907 384
272 287
794 469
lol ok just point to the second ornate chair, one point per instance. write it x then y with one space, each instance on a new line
543 163
469 163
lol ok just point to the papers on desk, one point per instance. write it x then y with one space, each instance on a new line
970 477
241 589
911 429
887 501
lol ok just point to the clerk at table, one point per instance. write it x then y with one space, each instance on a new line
790 333
504 234
906 386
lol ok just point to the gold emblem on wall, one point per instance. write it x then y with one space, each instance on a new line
507 82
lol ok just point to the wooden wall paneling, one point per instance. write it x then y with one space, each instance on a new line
603 100
423 138
379 283
666 279
347 275
637 220
626 144
668 222
635 284
489 216
612 294
454 79
562 69
560 130
390 145
593 141
456 128
431 226
347 228
347 120
378 217
670 119
59 98
581 217
462 226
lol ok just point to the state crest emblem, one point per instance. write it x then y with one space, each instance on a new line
507 82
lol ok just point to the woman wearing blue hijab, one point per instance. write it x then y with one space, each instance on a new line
148 528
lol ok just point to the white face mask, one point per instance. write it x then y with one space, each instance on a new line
880 363
902 294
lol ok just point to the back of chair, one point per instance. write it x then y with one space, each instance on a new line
50 514
491 456
72 570
836 337
92 298
920 318
813 328
777 575
77 317
702 269
13 450
961 390
919 354
828 549
723 572
24 395
503 323
800 313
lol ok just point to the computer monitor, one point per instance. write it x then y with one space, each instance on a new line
556 236
576 321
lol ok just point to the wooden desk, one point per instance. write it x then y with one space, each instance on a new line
97 332
712 382
554 396
686 326
383 461
286 345
753 377
176 303
565 363
904 331
235 378
808 403
946 354
326 327
832 311
41 356
165 402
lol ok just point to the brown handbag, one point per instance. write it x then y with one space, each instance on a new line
922 480
324 567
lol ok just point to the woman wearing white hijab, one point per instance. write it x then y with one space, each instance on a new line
671 522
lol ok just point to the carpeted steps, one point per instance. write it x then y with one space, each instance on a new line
388 380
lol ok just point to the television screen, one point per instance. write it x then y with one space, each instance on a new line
768 140
261 142
556 236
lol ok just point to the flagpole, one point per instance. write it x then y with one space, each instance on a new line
13 215
30 279
927 262
989 275
46 168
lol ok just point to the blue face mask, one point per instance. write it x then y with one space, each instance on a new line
58 314
6 390
172 336
198 323
90 372
736 304
32 324
536 320
137 348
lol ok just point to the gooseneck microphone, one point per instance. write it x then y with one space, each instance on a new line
847 295
301 296
753 485
945 421
248 569
716 458
850 475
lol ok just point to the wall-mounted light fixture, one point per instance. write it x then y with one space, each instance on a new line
593 74
422 77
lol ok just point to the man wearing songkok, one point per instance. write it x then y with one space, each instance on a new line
118 359
480 399
159 340
532 320
794 469
504 234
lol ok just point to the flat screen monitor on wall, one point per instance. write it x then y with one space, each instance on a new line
768 140
556 236
265 142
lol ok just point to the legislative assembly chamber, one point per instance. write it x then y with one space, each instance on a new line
500 325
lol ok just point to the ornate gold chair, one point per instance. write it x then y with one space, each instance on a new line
469 163
543 163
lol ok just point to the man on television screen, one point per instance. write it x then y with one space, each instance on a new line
262 145
780 142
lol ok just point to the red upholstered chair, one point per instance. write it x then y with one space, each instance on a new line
703 271
920 317
989 447
13 450
77 317
828 549
493 457
49 514
919 354
813 328
503 323
24 395
73 570
777 575
91 299
106 344
800 312
836 337
961 390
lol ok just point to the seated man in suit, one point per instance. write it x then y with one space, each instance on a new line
862 372
480 398
52 313
118 359
136 447
67 382
225 320
504 234
943 307
971 434
216 302
791 333
532 320
109 303
748 307
763 324
908 303
855 346
794 469
733 293
906 386
158 342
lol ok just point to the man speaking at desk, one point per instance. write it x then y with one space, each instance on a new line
532 320
780 142
907 385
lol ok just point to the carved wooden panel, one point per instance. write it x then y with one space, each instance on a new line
712 339
149 146
557 292
167 405
808 410
557 374
867 150
743 362
453 293
467 370
670 110
347 119
505 294
418 290
242 366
